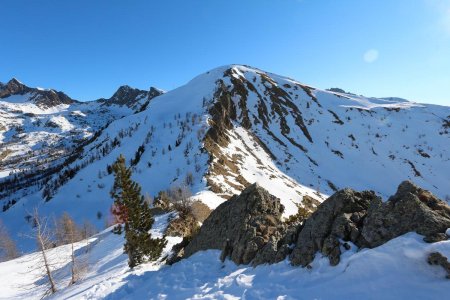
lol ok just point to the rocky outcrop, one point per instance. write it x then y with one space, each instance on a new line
278 247
339 218
246 227
410 209
363 219
222 113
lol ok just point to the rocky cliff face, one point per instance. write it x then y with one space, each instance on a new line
248 228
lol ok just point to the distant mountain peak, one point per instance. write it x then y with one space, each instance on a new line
125 88
154 92
15 81
126 95
13 87
129 96
41 97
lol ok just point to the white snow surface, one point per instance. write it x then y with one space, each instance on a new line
395 270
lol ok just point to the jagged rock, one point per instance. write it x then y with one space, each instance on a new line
363 219
278 247
339 217
245 227
248 228
182 225
337 90
410 209
438 259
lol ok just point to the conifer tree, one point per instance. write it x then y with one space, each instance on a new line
135 216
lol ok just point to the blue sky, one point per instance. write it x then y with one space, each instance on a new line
88 48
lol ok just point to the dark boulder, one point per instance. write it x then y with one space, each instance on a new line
363 219
242 227
340 217
410 209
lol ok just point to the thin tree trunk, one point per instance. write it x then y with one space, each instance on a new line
44 255
73 280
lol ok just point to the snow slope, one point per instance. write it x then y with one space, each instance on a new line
103 264
236 125
395 270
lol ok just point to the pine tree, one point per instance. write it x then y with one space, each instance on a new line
131 209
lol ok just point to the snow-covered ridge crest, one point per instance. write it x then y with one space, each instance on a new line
298 118
346 99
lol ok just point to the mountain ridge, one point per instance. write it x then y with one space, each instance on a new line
41 97
236 125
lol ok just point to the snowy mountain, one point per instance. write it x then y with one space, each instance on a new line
42 128
223 130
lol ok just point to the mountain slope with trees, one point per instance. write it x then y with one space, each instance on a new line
236 125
